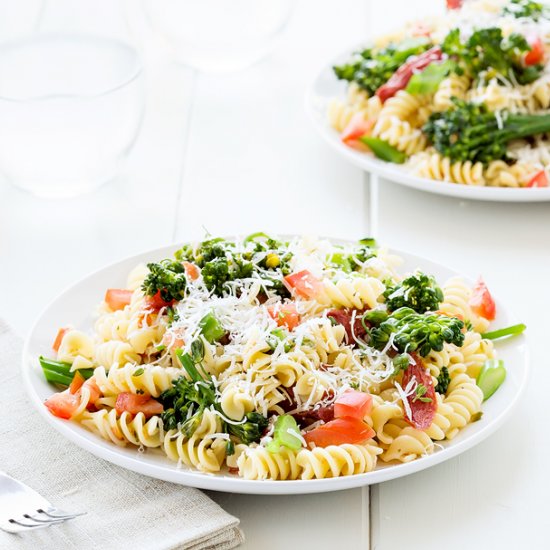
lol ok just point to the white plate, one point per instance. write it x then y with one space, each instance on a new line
75 305
326 87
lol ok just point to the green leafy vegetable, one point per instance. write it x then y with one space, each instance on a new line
222 262
250 431
57 372
503 332
526 8
487 53
491 377
186 401
413 331
166 277
469 132
285 434
443 381
427 81
417 291
400 362
371 68
383 150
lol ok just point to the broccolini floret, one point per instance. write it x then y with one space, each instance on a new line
417 291
166 277
185 403
443 381
371 68
469 132
222 262
487 53
526 8
413 331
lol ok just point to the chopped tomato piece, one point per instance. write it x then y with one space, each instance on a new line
63 404
285 314
76 383
304 284
536 54
59 337
540 179
357 127
156 302
454 4
118 298
482 302
422 402
132 403
339 431
353 404
400 79
191 271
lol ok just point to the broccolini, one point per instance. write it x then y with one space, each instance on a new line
417 291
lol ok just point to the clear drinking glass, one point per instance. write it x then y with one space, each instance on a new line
70 109
219 35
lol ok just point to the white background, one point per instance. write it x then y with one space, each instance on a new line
236 154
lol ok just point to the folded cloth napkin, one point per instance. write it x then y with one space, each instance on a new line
124 509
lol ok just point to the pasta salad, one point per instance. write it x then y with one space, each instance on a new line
278 359
463 99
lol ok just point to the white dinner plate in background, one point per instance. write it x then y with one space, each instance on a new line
327 87
75 306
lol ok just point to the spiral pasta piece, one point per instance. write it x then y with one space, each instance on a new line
452 86
457 295
73 344
338 460
354 292
258 463
465 398
149 379
204 450
502 174
114 352
236 403
400 134
126 428
434 166
408 444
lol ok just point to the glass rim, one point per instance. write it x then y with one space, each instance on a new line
78 37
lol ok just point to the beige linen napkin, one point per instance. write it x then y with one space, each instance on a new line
124 509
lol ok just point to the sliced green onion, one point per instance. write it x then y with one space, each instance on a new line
383 150
340 260
189 365
57 372
491 377
368 241
283 435
502 332
211 328
254 236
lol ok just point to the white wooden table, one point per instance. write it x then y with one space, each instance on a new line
236 154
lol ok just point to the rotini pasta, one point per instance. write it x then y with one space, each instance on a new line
444 107
298 365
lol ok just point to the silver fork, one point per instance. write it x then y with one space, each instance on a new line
23 509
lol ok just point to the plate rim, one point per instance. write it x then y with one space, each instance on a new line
170 472
395 173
